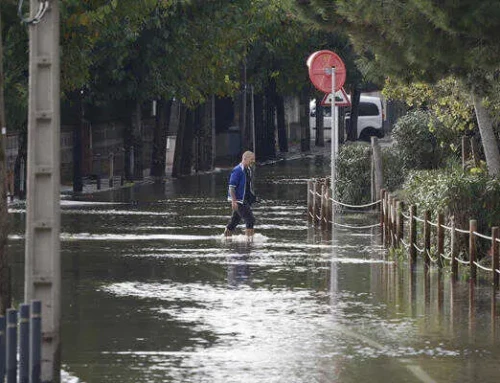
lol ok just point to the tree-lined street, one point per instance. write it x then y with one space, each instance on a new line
173 91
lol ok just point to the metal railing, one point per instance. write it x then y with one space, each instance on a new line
20 344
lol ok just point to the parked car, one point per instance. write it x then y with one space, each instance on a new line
370 118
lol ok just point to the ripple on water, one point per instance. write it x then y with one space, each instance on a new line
260 322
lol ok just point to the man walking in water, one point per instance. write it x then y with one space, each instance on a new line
241 195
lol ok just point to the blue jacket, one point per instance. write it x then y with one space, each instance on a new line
237 180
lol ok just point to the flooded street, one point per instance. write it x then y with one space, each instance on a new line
152 292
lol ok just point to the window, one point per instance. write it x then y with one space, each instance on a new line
367 109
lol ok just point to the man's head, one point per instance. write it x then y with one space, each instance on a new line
248 158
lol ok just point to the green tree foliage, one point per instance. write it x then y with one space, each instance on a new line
447 99
425 40
15 52
417 39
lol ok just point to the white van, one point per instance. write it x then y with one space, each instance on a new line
370 118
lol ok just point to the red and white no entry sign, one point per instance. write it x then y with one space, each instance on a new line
320 64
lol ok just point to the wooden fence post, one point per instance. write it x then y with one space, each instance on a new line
314 210
393 221
440 238
329 207
322 214
387 215
427 237
377 167
388 220
309 201
382 213
395 240
453 240
399 223
472 248
413 234
494 255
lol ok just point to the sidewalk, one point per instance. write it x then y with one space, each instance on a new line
91 186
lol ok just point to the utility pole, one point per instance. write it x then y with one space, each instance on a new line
42 256
5 292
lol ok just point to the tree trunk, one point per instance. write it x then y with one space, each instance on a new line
20 166
320 124
5 292
179 140
213 133
280 113
187 146
352 128
205 138
183 156
128 147
243 120
198 138
259 125
77 149
341 125
270 126
137 126
488 138
158 160
305 130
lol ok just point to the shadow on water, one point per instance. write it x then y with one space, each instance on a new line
154 293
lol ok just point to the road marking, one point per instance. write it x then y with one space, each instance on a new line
415 369
419 373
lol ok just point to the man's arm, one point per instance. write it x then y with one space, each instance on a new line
232 192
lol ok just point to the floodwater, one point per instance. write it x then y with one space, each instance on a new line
153 293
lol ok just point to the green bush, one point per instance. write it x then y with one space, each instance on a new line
421 142
353 167
353 184
394 174
456 193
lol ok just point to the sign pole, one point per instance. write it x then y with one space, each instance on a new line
334 141
321 64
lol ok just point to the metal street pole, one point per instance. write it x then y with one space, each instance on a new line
42 256
334 142
5 291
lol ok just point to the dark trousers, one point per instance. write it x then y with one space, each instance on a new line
244 211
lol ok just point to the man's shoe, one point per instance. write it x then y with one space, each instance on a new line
227 232
249 232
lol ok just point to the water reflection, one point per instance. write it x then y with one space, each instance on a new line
466 311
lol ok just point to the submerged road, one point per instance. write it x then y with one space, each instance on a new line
154 293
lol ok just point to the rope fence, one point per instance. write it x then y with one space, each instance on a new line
320 205
417 235
421 237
